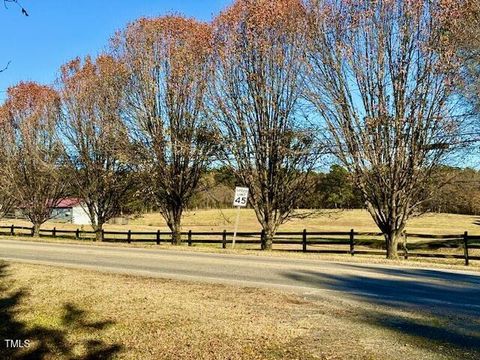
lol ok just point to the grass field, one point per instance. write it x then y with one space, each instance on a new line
360 220
80 314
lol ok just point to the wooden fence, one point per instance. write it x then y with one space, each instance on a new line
453 246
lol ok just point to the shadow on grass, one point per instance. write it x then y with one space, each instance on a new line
439 311
46 342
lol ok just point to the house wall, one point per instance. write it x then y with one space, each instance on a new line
61 214
80 216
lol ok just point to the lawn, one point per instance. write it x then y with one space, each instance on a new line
80 314
326 220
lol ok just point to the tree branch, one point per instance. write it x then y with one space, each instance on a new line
6 67
24 11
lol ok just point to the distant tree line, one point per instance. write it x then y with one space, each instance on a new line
332 190
178 111
455 191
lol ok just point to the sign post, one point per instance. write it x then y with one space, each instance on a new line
240 200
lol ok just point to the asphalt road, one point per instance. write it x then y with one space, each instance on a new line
439 291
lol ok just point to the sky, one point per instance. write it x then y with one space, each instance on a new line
59 30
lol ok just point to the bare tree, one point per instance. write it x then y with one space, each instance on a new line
461 27
384 93
257 101
6 197
96 139
167 60
35 167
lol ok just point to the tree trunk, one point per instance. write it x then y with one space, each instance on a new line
98 232
392 238
392 230
176 235
36 229
269 234
175 226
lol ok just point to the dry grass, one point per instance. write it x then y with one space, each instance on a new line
326 220
79 313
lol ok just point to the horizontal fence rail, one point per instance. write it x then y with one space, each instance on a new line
454 246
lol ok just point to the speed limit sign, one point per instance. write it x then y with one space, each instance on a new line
240 200
241 197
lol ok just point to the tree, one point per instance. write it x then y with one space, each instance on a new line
461 33
337 190
216 189
6 199
35 168
454 191
256 100
331 190
168 64
383 90
96 139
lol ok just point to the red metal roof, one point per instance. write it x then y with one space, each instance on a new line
69 202
64 203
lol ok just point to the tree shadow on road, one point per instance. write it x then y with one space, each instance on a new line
47 342
437 310
427 274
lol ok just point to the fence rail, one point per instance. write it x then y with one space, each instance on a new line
330 242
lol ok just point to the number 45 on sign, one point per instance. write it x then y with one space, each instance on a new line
240 200
241 197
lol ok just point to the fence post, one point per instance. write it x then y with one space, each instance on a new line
77 234
54 232
33 228
465 247
103 235
189 237
158 237
352 242
262 240
224 239
129 236
12 230
304 240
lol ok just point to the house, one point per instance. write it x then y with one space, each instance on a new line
71 210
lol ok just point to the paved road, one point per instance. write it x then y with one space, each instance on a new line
440 291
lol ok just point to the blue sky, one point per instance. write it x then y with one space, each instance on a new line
58 30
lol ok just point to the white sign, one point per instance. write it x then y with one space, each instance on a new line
241 197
